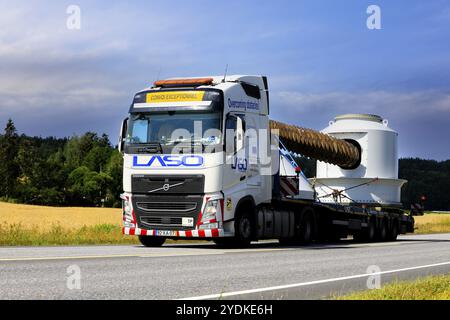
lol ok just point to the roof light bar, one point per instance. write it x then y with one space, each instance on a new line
184 82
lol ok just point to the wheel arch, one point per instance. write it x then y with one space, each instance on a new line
249 203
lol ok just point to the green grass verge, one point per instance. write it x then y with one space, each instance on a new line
429 288
17 235
103 234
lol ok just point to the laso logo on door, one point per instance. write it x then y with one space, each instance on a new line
240 164
168 161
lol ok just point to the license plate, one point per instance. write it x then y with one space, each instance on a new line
166 233
187 222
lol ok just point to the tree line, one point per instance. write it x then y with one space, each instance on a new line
87 171
428 178
78 171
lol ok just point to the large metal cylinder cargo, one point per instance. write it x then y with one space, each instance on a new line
375 179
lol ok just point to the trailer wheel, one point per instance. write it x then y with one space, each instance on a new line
152 241
306 227
393 232
382 234
371 231
368 234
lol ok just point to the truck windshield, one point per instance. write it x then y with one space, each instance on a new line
174 127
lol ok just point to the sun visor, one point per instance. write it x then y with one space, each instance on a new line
183 100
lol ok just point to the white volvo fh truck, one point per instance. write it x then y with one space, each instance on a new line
201 161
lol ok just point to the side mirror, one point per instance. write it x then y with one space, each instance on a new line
239 145
122 134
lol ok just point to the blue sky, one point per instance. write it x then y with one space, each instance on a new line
320 58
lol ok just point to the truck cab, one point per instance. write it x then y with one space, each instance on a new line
198 158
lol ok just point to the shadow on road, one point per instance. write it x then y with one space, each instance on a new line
342 244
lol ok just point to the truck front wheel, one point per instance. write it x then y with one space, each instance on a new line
244 230
152 241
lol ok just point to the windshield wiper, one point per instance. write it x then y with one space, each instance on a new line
151 147
184 143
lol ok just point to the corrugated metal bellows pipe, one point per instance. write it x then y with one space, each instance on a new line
319 146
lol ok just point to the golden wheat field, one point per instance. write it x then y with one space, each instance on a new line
69 217
24 225
433 223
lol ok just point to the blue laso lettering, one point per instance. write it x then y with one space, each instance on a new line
170 161
198 163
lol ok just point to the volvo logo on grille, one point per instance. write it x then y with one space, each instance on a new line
166 187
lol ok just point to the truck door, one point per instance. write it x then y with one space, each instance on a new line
251 145
236 164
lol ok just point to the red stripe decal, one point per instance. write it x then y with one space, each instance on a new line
188 234
131 232
134 217
201 233
289 184
215 232
143 232
221 208
199 221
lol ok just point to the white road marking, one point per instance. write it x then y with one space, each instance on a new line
148 255
302 284
141 255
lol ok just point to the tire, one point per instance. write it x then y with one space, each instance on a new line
371 231
306 227
393 232
382 232
151 241
244 230
368 234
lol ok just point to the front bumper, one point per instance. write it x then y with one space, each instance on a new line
207 233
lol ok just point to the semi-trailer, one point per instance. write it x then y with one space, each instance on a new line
202 160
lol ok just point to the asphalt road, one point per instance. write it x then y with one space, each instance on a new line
202 271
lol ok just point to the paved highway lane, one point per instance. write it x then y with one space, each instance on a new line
265 271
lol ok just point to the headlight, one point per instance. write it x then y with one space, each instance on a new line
212 207
210 217
127 209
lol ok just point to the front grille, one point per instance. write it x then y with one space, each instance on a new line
167 206
173 184
162 221
165 212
